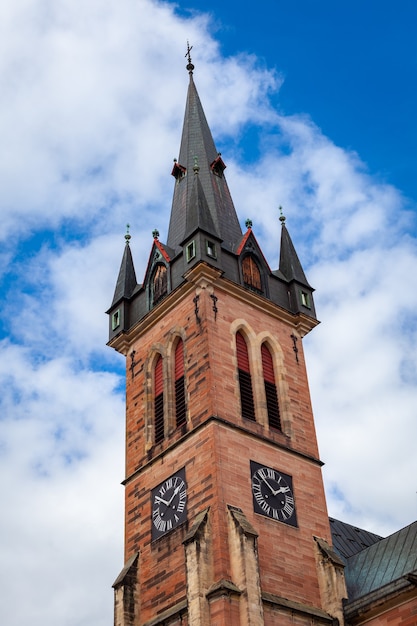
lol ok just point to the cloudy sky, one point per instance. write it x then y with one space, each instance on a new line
313 108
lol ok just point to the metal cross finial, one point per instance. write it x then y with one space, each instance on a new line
190 66
127 236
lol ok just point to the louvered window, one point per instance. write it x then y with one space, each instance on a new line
272 405
180 407
159 401
245 380
251 274
159 283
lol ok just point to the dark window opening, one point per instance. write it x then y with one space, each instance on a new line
218 166
178 171
180 404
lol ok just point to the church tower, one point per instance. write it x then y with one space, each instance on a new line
225 514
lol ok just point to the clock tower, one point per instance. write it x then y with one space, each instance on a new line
225 513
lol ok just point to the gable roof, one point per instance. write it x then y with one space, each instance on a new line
383 563
349 540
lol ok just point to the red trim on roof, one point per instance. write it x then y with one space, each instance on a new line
162 250
244 240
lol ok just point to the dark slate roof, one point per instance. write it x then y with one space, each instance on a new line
198 213
382 563
348 539
126 281
289 263
198 149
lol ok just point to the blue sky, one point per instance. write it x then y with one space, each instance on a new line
312 106
350 65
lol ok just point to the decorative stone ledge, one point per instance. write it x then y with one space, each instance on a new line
167 616
298 607
221 588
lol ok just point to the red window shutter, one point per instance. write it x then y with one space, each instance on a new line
245 380
270 388
159 401
179 360
159 383
242 353
267 364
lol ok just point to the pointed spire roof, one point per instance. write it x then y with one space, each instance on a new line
197 143
198 215
126 281
289 263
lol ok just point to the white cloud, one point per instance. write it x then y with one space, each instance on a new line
60 461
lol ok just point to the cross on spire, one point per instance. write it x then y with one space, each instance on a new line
190 66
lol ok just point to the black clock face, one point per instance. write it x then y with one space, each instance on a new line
169 504
272 494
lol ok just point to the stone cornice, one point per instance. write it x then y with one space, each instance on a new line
204 276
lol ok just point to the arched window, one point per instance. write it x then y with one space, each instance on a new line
159 400
251 274
159 283
245 380
180 406
272 405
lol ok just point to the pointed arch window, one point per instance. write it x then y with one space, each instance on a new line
245 379
159 283
159 400
271 394
180 405
251 274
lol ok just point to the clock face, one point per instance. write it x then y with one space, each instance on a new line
169 504
272 494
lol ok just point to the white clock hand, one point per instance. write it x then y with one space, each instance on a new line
158 499
280 490
176 490
267 483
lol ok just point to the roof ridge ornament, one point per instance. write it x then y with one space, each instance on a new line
281 216
190 66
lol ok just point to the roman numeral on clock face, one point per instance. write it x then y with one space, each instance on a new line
272 494
169 504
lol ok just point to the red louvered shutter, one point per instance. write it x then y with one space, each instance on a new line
270 388
245 380
159 400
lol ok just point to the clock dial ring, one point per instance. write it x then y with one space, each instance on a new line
272 493
169 504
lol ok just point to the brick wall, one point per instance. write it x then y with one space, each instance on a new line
216 446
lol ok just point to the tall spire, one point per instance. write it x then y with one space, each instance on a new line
197 142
